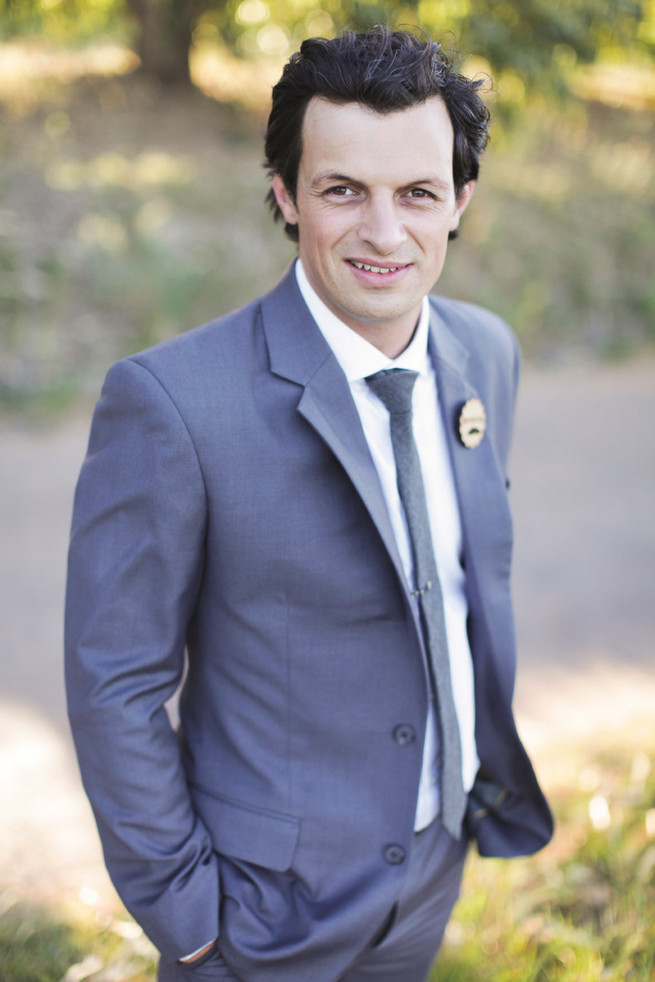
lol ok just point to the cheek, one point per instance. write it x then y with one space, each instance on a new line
437 239
320 238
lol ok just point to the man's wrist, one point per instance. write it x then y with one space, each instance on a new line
198 953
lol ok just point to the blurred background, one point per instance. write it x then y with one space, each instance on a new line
132 208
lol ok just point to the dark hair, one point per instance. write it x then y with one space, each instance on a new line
385 70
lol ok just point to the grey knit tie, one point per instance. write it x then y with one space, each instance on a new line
394 388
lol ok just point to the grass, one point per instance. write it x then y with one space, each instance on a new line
580 911
584 908
38 945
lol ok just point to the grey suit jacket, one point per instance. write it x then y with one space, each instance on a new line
228 505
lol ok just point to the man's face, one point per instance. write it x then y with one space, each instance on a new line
374 205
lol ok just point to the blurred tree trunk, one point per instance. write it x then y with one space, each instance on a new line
163 40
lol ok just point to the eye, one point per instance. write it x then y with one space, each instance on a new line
422 193
341 191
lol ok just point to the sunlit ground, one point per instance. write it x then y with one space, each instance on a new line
29 67
595 763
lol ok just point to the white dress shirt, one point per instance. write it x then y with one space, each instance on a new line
358 359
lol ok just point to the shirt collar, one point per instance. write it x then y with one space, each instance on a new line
357 356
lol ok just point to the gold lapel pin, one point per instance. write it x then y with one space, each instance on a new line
472 423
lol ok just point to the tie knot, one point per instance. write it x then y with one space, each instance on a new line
394 387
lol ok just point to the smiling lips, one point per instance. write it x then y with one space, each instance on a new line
376 269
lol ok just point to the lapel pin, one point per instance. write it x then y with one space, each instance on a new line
472 423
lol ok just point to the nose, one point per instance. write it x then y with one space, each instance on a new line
381 226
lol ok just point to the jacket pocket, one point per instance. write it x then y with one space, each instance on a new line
264 838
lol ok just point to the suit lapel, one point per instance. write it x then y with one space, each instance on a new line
479 477
299 353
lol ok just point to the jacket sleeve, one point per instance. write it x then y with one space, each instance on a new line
135 564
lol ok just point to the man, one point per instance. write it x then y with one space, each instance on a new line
252 492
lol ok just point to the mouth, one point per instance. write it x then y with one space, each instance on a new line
380 270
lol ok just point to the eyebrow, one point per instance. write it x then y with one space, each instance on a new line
332 176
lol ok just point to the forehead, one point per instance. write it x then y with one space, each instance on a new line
341 138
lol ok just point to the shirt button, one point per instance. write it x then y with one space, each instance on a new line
404 734
394 854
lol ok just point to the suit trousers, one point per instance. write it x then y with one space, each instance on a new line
408 939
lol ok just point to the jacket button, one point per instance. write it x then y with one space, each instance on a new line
404 734
394 854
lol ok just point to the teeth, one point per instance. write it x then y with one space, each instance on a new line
375 269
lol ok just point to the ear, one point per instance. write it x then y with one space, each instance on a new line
285 202
461 204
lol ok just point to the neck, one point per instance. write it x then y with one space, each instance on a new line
391 339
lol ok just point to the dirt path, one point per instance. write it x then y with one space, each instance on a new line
583 483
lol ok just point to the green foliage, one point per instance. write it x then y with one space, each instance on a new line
40 945
558 237
536 40
144 223
528 44
256 28
61 20
35 947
